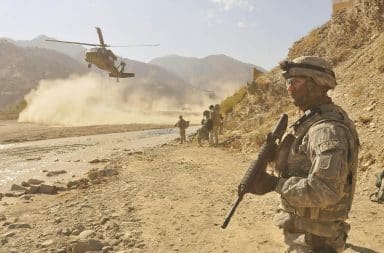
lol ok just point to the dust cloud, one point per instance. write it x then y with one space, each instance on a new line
94 100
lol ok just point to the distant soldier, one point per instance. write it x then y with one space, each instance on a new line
221 124
216 122
203 132
182 125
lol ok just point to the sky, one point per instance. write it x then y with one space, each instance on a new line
253 31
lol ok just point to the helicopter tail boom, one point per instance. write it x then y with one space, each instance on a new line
121 75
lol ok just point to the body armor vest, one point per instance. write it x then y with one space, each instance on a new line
298 163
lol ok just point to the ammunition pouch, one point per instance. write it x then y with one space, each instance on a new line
281 162
294 223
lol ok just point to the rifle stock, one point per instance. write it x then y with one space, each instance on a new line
265 155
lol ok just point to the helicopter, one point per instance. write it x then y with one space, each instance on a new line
104 58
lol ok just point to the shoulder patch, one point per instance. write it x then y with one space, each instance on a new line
328 145
325 161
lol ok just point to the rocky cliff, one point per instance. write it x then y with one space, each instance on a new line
354 41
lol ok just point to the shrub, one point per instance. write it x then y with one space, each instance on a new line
230 102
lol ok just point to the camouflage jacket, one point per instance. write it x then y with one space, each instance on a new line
182 124
321 169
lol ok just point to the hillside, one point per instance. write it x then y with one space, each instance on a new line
214 72
354 41
22 68
75 51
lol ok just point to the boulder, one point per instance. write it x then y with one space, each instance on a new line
16 187
83 246
56 172
47 189
33 181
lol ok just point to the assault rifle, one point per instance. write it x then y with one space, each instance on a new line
258 167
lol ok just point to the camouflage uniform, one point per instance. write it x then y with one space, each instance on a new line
318 181
216 121
203 132
182 125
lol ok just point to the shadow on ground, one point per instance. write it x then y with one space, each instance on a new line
360 249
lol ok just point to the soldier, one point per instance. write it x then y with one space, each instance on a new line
203 132
318 163
182 125
216 121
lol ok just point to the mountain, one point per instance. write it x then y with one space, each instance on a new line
208 73
77 52
21 69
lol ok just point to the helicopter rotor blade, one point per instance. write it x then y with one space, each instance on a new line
101 39
136 45
72 42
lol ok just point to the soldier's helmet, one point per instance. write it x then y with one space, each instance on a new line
311 66
217 106
211 107
180 117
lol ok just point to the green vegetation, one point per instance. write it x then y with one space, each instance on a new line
230 102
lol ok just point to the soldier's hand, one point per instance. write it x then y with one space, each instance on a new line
267 183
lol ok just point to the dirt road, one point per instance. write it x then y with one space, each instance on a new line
168 199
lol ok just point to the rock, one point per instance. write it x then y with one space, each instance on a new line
26 197
2 217
114 242
99 160
9 234
58 220
80 183
2 242
19 225
16 187
66 231
86 234
112 224
80 226
104 220
47 189
33 159
87 245
60 186
25 184
106 172
54 173
106 249
61 250
75 232
35 181
47 243
13 194
34 189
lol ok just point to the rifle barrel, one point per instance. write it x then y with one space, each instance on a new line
231 212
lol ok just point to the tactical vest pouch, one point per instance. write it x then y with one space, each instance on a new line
281 162
321 228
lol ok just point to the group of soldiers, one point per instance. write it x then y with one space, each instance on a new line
212 126
318 159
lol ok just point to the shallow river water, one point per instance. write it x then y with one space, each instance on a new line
22 161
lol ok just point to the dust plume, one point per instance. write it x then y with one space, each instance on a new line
93 100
